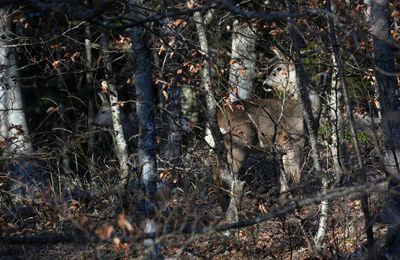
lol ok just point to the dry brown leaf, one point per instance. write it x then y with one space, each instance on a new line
231 62
104 87
51 110
104 232
165 94
242 72
360 8
116 241
235 90
123 223
121 103
179 22
192 5
162 49
74 205
129 81
56 64
57 47
74 56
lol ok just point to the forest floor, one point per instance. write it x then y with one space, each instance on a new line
117 236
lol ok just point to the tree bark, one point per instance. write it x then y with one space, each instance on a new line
242 73
242 70
174 129
389 99
90 105
147 143
224 174
344 90
336 120
13 115
14 129
121 147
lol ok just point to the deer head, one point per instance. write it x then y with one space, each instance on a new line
283 78
103 118
283 75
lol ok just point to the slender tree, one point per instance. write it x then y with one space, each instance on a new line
145 104
109 86
14 129
389 97
344 90
224 175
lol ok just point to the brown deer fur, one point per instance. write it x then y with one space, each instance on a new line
264 124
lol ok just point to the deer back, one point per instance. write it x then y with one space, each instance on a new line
264 123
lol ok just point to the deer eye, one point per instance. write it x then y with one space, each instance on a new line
278 68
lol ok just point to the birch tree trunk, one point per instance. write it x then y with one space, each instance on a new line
147 144
336 122
242 73
344 90
11 98
241 76
121 147
14 129
242 70
225 175
336 118
389 99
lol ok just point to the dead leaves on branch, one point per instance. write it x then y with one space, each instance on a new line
67 56
117 233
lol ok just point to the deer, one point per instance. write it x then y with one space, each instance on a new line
263 125
251 126
103 118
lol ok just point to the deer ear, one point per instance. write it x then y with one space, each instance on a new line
278 53
103 98
291 65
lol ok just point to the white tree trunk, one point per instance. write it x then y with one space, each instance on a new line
336 122
235 185
14 130
121 147
344 91
242 70
13 121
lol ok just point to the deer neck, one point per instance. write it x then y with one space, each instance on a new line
313 97
295 94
